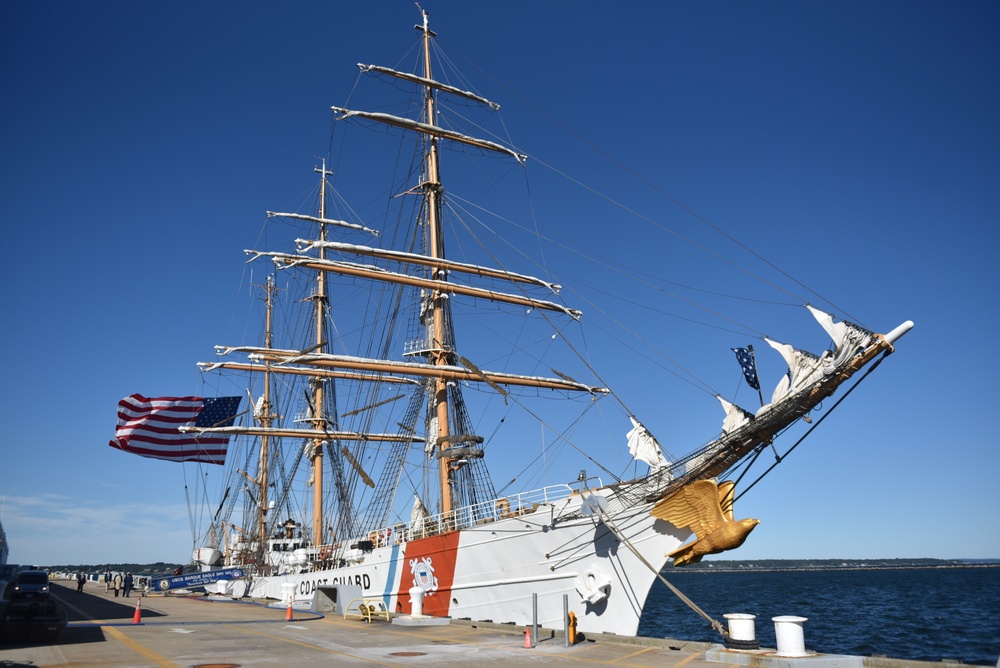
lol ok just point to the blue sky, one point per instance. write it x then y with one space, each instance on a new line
856 145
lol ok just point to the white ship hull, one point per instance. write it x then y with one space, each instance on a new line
491 572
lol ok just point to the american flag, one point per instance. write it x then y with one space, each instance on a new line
745 358
150 427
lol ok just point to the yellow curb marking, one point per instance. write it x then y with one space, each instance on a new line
637 653
139 648
317 647
689 659
136 647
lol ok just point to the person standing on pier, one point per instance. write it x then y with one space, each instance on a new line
118 583
80 579
128 584
107 581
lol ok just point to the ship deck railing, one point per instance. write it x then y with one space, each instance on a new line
514 505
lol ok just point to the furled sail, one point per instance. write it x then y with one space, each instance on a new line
286 260
735 418
804 369
418 515
416 369
431 130
643 446
304 245
848 339
324 221
424 81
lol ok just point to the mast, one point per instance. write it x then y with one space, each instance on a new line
440 354
461 478
319 419
264 417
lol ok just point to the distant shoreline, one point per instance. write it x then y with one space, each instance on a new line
749 567
715 566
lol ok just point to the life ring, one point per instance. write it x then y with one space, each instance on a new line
324 553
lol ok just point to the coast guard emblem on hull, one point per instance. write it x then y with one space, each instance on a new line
423 574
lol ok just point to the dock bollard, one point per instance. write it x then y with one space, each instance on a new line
288 593
417 601
742 634
789 636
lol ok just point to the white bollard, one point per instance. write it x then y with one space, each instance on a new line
741 626
222 587
288 593
416 601
789 636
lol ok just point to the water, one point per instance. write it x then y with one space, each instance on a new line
921 614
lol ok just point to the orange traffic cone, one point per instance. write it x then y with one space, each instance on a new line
288 613
527 638
137 617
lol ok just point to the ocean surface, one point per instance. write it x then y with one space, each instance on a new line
931 614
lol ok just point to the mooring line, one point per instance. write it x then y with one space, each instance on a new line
691 604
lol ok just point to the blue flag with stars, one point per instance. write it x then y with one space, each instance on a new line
745 357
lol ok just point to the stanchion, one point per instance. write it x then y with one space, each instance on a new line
137 616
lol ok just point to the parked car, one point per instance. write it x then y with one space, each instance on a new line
29 584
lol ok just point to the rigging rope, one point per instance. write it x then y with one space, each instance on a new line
717 625
677 592
561 125
187 499
818 422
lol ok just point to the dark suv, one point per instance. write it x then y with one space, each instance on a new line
29 584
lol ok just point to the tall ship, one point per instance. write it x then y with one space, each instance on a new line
360 439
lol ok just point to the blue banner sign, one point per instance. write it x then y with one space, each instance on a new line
168 582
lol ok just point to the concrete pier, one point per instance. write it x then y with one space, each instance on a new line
179 632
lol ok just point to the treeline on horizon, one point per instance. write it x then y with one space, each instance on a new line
160 567
814 564
157 568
